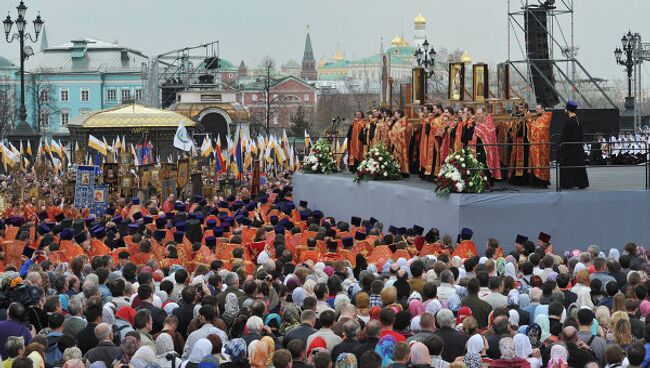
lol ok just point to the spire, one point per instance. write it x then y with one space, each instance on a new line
309 51
381 46
308 62
44 44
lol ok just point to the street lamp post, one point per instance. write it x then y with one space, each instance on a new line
21 35
628 48
425 57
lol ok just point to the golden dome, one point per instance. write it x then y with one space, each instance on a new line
419 19
338 56
465 58
396 41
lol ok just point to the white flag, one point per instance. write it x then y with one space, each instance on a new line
182 140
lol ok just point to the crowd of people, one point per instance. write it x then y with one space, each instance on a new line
262 281
622 149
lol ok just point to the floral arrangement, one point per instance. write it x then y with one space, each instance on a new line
378 164
461 173
320 159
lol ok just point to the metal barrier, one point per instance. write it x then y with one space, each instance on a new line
582 144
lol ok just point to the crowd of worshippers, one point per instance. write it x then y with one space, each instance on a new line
521 306
621 149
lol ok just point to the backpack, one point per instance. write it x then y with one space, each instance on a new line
117 333
53 354
590 350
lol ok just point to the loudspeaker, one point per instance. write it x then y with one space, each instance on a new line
538 52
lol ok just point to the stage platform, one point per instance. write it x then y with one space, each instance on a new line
614 210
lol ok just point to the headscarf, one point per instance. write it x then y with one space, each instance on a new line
129 346
290 318
614 254
513 317
535 335
523 349
507 348
236 350
501 266
200 350
420 354
415 324
298 296
559 357
472 360
308 286
545 326
454 300
317 342
374 312
513 298
511 271
164 344
231 309
37 359
258 353
415 308
584 299
144 356
346 360
524 301
463 313
385 348
126 313
475 344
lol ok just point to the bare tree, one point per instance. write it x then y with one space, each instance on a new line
40 89
7 107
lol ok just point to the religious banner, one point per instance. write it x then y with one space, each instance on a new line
481 89
197 184
110 173
68 189
503 81
183 172
255 181
100 200
3 204
84 186
144 175
168 187
456 81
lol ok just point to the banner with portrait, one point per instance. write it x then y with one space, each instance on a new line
168 187
100 200
83 191
456 81
182 173
111 176
197 184
480 77
503 80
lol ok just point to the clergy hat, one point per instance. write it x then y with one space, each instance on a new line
42 215
521 239
218 231
28 252
222 215
89 219
251 206
330 233
419 230
432 236
332 245
264 200
317 214
211 224
544 237
355 221
160 223
348 242
147 219
191 215
571 106
273 220
246 221
98 232
359 235
67 222
466 233
401 231
179 206
133 228
304 215
372 221
180 225
159 234
110 211
137 216
135 201
211 241
231 198
197 198
178 236
279 229
194 231
199 216
59 217
392 229
117 219
66 234
81 237
213 211
43 229
223 204
303 203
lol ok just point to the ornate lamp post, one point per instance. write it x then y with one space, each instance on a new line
628 48
425 58
21 36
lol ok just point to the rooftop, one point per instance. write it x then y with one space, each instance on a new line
132 116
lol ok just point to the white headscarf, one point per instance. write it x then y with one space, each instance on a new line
584 299
510 270
143 356
201 349
475 344
523 349
579 267
614 254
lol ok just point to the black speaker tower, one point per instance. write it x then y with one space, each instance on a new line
537 49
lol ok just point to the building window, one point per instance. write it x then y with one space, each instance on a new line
44 95
64 95
126 94
254 98
44 118
65 117
306 97
138 94
111 94
85 95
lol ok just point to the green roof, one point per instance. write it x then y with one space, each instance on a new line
332 76
370 60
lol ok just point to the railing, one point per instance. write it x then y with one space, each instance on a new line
644 152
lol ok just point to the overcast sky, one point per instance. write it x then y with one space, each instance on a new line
251 29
